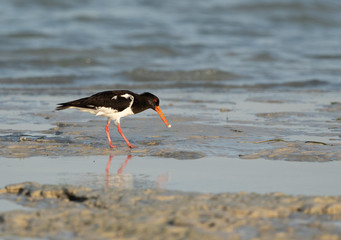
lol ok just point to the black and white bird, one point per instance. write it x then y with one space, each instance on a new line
114 105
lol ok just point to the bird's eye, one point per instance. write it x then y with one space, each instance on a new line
155 100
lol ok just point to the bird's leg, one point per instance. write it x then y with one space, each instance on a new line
108 135
125 139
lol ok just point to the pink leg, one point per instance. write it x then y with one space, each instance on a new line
107 131
125 139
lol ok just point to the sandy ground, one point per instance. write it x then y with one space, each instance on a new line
63 212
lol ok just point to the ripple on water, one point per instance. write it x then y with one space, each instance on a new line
142 74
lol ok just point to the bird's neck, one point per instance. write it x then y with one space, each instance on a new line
139 105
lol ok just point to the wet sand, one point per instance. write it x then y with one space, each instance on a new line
221 143
246 124
66 211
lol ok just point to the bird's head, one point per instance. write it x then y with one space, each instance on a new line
153 103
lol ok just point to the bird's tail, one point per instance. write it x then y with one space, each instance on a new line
79 103
62 106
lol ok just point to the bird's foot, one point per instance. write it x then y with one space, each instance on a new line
131 146
112 146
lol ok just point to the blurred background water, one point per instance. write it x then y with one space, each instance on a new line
170 44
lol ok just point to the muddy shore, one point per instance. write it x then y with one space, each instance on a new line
78 212
256 128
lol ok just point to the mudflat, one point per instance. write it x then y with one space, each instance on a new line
78 212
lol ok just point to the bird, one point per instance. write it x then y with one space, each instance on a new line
114 105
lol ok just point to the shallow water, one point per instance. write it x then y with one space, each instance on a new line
210 174
236 79
6 205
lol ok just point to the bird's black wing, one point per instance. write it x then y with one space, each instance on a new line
118 100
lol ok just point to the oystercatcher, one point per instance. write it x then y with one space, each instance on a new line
114 105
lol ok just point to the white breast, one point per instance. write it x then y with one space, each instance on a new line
112 113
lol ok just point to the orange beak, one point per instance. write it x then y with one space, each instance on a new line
158 110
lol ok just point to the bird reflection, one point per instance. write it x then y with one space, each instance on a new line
124 164
161 180
118 178
126 180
